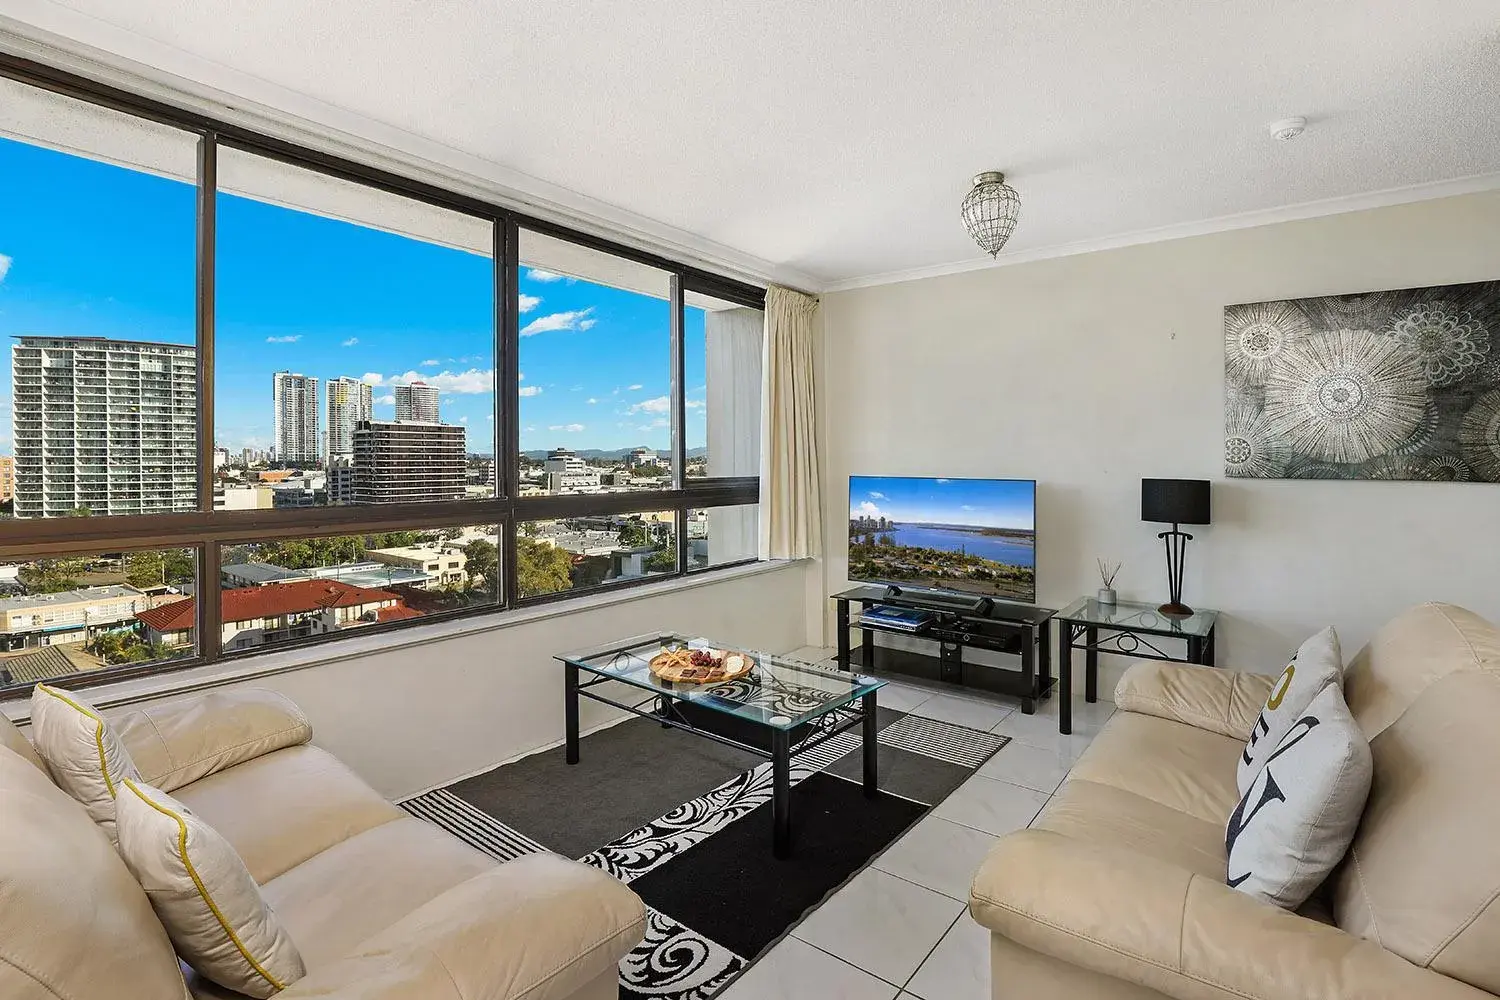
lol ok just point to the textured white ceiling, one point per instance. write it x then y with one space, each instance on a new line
837 138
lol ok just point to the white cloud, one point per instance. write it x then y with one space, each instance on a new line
569 428
635 388
464 419
537 274
430 363
290 338
656 424
386 400
465 383
876 496
490 417
520 376
592 401
869 510
694 404
531 390
587 324
573 319
660 404
528 302
4 266
350 342
964 506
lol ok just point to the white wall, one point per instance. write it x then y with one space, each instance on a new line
1090 372
416 717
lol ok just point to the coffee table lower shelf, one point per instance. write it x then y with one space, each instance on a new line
780 744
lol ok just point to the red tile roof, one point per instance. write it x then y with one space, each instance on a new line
400 612
271 601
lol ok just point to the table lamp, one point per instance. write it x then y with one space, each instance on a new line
1175 502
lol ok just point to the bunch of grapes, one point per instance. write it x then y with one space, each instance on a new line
702 658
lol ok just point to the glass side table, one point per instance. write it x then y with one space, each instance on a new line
1129 629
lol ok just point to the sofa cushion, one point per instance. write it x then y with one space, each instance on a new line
178 742
13 739
282 808
337 898
1423 875
72 916
211 907
1178 766
1297 818
1109 816
82 751
1410 652
1317 663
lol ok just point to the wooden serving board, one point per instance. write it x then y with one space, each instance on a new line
676 665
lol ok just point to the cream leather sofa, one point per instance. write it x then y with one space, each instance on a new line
1117 890
382 906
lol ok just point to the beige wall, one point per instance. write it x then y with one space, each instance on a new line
1090 372
415 717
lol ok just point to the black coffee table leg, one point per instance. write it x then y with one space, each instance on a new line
872 734
781 793
570 709
1065 678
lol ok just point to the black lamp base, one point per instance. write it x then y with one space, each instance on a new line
1176 610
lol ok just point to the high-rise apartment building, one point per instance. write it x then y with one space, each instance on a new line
296 401
350 403
417 403
404 462
7 477
107 426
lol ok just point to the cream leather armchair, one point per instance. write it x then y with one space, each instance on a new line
1117 891
381 905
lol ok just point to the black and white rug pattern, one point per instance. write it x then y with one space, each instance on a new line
675 962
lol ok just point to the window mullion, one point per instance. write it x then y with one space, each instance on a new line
208 603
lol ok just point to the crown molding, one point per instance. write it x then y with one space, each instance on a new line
1476 184
87 46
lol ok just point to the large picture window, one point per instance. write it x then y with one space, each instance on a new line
211 331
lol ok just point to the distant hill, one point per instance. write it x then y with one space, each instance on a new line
538 454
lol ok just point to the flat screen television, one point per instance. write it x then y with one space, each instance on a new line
970 536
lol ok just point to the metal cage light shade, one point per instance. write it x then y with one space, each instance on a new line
990 211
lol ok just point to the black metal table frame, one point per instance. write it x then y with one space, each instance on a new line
826 725
1035 655
1124 639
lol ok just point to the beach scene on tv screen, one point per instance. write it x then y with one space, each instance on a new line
976 536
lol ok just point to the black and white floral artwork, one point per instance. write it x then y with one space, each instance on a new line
1381 385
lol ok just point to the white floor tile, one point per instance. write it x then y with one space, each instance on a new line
1041 768
1041 731
959 968
995 807
963 711
881 924
902 697
1096 713
939 855
795 970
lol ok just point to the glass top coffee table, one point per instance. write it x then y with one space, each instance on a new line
781 708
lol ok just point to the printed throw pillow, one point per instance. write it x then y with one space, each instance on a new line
82 753
1301 812
204 895
1317 663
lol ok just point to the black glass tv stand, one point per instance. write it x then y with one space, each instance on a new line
958 622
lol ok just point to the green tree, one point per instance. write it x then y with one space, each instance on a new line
158 568
451 534
541 568
633 535
48 576
482 562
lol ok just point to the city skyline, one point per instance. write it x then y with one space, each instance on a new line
94 250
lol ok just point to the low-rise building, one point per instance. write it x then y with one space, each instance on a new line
30 621
7 478
276 612
445 562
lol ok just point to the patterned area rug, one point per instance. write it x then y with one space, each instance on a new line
717 898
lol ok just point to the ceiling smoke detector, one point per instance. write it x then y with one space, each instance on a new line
1288 128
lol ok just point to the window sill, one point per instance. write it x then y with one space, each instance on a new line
155 686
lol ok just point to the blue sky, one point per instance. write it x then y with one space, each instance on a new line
993 503
90 249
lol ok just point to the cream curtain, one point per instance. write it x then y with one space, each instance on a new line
791 510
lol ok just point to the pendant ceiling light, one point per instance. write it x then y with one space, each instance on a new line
990 211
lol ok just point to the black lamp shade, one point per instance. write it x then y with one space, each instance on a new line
1175 501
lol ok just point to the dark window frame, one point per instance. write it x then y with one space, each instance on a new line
206 529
